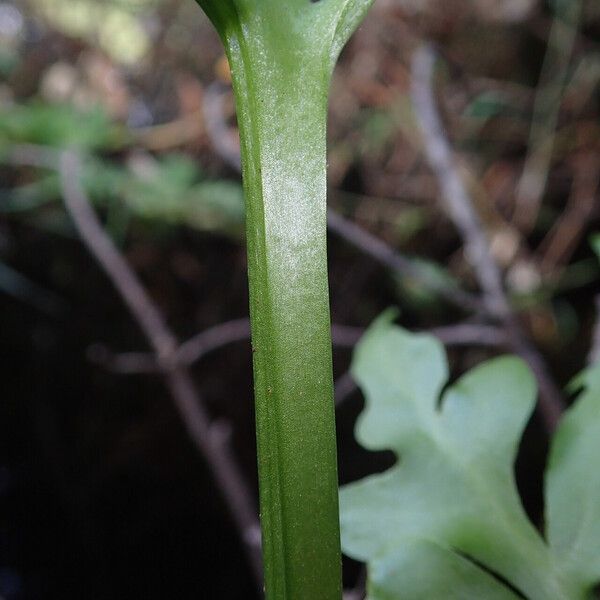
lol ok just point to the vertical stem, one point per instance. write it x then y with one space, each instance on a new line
282 118
282 53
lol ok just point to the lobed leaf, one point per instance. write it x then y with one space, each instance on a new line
573 485
447 521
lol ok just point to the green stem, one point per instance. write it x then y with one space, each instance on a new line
281 54
285 188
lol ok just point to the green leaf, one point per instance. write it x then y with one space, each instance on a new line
491 104
423 297
437 573
573 485
172 190
58 125
594 241
447 520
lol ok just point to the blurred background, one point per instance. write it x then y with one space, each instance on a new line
464 160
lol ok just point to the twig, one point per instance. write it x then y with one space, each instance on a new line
123 363
468 334
238 330
183 130
208 437
110 259
30 155
453 193
532 183
594 353
561 241
211 339
387 256
457 203
24 289
214 447
197 347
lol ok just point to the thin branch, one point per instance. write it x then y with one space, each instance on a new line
459 207
548 98
22 288
123 363
30 155
238 330
561 241
214 447
210 438
454 196
387 256
468 334
111 260
197 347
594 353
211 339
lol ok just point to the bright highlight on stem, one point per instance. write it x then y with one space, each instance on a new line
282 54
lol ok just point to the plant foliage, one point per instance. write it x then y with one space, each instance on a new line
167 189
447 521
58 125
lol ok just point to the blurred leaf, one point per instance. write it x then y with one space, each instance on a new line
447 520
594 241
57 125
424 297
491 104
566 10
170 190
567 322
22 288
173 191
9 60
409 222
30 196
377 129
104 180
573 485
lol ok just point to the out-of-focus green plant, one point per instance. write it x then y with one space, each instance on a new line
447 521
594 240
282 54
173 190
168 189
58 125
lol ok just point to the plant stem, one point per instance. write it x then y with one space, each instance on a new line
282 117
281 55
